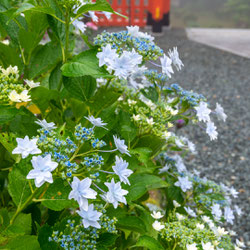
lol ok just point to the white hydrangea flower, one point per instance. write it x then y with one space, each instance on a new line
24 97
166 64
211 131
43 166
79 25
157 215
174 56
240 243
238 210
46 125
136 117
179 164
216 211
107 14
32 84
180 216
93 16
176 204
190 211
228 214
158 226
233 192
191 247
14 96
11 70
90 217
97 122
203 112
150 121
121 169
164 169
220 231
200 226
106 55
207 246
81 192
183 183
220 112
26 147
120 145
115 194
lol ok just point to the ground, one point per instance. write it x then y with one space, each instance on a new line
224 78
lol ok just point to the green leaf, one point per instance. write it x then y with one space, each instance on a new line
56 197
141 183
18 184
4 140
10 56
21 226
100 5
149 242
43 235
25 242
7 114
106 240
86 63
55 77
81 88
46 57
42 97
4 219
132 223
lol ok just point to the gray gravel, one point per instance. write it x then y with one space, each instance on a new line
224 78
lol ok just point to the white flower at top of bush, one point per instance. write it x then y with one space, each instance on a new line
216 211
115 193
191 246
203 112
166 64
106 55
26 147
121 169
220 112
157 215
81 192
97 122
158 226
46 125
32 84
43 166
174 56
134 31
190 211
90 217
211 131
11 70
207 246
228 215
183 183
120 145
79 25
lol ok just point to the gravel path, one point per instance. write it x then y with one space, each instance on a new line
224 78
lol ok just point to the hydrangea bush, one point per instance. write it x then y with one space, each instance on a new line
90 157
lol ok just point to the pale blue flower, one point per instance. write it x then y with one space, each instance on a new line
81 192
115 194
43 166
203 112
211 131
46 125
220 112
121 170
120 145
106 55
174 56
183 183
190 211
97 122
228 215
90 217
166 64
26 147
216 211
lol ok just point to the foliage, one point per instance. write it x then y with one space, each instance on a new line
89 157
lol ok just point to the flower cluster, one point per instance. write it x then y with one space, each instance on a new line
12 89
75 236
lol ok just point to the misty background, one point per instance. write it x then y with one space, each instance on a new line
210 13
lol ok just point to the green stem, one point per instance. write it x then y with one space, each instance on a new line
67 19
25 204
